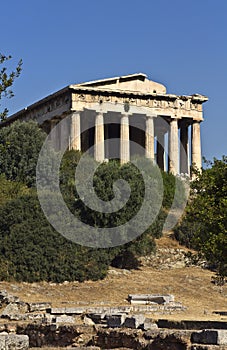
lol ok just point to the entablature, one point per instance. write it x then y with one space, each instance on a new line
75 97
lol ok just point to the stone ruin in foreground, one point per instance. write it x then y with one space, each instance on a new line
27 325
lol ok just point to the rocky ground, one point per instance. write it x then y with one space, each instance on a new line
168 272
165 273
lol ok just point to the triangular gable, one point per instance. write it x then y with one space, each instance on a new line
133 82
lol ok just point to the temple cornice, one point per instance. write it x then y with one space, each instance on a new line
71 97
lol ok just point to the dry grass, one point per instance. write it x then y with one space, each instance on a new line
191 285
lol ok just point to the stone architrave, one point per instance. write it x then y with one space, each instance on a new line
124 140
99 138
173 147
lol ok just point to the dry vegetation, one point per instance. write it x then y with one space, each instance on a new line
190 285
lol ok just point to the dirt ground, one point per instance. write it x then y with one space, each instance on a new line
190 285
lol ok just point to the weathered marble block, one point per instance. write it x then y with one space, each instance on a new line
135 321
210 336
114 321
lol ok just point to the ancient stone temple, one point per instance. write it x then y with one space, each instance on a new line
129 110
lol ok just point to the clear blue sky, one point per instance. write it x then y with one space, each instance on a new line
182 44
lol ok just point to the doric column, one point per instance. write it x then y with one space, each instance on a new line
52 124
75 137
54 135
64 134
99 138
184 164
196 145
124 142
149 141
173 147
160 148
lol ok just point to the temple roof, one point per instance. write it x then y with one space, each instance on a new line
136 86
137 82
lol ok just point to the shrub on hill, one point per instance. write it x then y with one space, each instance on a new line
33 251
204 226
11 189
20 144
30 248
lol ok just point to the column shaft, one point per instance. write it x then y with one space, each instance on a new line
173 147
196 145
75 137
54 135
184 149
99 138
64 137
149 141
124 142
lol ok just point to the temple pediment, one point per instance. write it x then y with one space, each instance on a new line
134 82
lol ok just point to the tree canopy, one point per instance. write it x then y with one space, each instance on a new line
7 79
204 226
31 249
20 144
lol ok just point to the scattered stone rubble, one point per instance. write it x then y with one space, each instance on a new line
122 327
13 341
13 307
171 258
210 336
162 339
150 299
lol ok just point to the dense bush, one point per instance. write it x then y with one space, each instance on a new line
20 144
31 249
204 226
11 189
34 251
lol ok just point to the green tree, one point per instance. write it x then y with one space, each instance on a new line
204 226
31 250
103 180
20 144
11 190
6 80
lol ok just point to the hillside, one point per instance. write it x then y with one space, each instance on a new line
190 285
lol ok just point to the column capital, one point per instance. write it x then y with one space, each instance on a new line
174 119
150 116
125 114
79 110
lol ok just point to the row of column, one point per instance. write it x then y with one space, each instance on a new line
178 153
124 137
